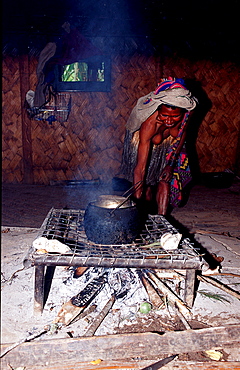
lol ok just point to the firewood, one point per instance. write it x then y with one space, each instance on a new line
99 319
26 339
79 271
122 346
161 274
71 309
219 285
68 313
152 293
171 296
182 318
84 313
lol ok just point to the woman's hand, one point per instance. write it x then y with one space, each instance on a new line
138 193
166 174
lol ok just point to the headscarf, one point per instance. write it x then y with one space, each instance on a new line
171 92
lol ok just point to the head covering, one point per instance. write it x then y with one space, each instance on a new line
171 92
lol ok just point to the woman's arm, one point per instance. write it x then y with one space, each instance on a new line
146 133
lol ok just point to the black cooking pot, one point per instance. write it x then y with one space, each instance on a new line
111 225
219 180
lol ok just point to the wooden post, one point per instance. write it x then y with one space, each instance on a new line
189 287
237 163
39 289
26 122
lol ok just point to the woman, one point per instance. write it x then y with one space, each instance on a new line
154 152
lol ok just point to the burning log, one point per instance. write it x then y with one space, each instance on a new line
71 309
85 313
68 313
79 271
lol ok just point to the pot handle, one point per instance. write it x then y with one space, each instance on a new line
132 190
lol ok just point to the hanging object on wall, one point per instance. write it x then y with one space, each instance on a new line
56 108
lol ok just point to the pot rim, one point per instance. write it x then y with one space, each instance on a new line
124 206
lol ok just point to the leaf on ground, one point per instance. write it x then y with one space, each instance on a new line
214 355
214 296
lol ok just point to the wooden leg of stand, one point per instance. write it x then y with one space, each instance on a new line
189 287
39 289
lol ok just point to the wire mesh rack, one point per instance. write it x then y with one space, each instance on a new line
67 226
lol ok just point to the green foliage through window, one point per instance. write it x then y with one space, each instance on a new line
83 71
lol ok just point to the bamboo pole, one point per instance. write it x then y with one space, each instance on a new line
219 285
171 296
152 293
99 319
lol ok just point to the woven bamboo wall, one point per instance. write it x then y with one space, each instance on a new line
11 122
89 145
218 135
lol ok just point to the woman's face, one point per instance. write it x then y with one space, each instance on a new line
169 117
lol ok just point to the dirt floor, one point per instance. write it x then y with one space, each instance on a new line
210 218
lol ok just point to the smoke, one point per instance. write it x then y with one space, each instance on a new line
198 29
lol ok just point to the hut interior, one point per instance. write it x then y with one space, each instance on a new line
143 43
68 149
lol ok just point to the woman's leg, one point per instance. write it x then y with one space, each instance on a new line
148 194
162 197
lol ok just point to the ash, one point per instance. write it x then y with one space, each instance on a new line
124 283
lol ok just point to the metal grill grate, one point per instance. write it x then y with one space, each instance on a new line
67 227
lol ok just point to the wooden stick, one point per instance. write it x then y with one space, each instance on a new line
168 274
71 309
27 339
152 293
68 313
99 319
189 287
83 314
171 296
182 318
79 271
226 274
209 280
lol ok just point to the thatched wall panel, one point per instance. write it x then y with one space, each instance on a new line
12 164
215 146
89 145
